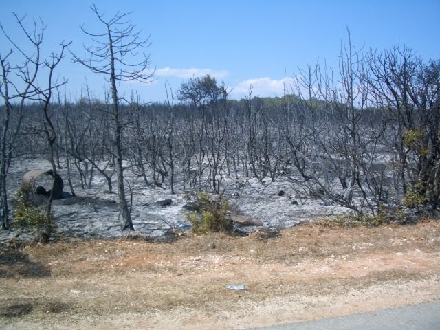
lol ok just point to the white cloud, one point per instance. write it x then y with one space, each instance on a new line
190 73
264 87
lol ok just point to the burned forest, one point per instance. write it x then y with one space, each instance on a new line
359 141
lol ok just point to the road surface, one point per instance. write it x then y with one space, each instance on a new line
416 317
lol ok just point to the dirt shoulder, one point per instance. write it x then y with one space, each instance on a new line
308 272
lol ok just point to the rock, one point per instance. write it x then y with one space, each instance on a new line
281 193
316 193
165 202
192 206
32 177
240 183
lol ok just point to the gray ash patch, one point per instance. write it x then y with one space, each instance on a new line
94 212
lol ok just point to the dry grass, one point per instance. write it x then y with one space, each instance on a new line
99 278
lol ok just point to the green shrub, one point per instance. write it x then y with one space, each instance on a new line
211 215
26 214
413 138
414 196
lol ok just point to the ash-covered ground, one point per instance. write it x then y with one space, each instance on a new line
94 212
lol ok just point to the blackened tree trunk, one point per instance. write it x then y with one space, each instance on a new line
119 43
26 71
4 147
123 203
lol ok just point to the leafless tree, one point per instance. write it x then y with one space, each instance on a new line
44 96
409 91
35 81
114 54
15 92
339 141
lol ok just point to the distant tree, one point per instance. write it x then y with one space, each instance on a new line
114 54
201 90
207 98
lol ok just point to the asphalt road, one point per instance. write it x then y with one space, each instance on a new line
415 317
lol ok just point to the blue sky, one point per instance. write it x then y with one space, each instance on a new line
241 42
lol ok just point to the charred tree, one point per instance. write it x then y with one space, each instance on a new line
113 55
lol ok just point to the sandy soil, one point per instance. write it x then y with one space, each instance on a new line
308 272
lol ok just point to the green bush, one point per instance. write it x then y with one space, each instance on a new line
26 214
414 196
211 215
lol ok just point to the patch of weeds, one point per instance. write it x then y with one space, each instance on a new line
383 216
351 221
211 215
348 221
27 214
